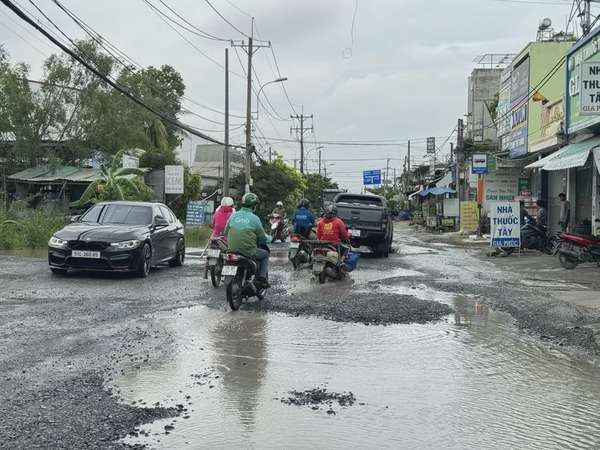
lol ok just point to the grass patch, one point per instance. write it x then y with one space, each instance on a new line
197 236
31 232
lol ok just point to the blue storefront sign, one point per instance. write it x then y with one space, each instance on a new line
371 177
519 99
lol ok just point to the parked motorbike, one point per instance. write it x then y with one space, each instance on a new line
300 251
278 227
535 237
214 259
578 248
329 263
239 273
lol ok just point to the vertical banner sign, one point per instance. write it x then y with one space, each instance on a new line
430 145
590 88
519 91
173 179
469 217
505 221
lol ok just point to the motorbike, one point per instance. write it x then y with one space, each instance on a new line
239 273
278 227
329 263
214 259
535 237
576 249
300 251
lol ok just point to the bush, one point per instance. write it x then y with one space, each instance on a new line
197 236
33 232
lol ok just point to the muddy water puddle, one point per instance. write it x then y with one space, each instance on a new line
473 381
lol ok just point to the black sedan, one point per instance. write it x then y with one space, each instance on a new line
119 236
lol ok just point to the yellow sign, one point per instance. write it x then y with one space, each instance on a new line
469 217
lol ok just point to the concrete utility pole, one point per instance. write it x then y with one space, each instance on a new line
586 21
319 162
226 148
270 154
459 156
387 171
301 129
250 49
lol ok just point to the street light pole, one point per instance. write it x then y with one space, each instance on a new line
226 148
277 80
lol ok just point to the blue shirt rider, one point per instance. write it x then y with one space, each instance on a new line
303 219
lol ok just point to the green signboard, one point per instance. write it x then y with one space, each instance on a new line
587 52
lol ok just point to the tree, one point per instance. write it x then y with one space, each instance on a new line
315 184
274 181
116 183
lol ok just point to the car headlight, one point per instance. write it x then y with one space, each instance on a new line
126 244
57 242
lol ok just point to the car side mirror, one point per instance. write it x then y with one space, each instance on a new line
160 222
74 219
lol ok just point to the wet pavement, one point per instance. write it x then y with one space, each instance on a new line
435 347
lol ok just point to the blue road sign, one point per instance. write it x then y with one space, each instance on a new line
371 177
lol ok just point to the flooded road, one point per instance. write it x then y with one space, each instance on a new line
164 363
471 380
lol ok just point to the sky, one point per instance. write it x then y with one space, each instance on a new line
369 71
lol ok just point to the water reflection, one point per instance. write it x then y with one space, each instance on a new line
241 360
469 311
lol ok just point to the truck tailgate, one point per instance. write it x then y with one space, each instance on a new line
361 216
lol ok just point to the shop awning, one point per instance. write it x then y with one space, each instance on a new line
440 191
411 196
445 181
572 155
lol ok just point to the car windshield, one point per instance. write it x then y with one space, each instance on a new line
360 200
119 214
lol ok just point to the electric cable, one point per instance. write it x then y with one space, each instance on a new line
9 4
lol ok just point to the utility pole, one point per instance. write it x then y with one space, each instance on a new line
270 154
250 49
586 23
301 129
226 148
459 157
387 171
409 180
319 163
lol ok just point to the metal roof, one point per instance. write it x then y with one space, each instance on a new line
46 174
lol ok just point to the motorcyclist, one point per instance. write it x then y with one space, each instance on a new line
245 235
221 216
331 227
303 218
279 210
542 216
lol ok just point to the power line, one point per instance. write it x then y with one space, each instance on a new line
9 4
202 32
225 19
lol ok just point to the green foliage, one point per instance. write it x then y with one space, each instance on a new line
274 181
197 236
91 117
192 190
33 232
116 183
315 184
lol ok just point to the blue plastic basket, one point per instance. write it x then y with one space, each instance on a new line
351 260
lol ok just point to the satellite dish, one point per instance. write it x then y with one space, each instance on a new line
546 23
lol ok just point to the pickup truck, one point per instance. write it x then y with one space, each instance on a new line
368 220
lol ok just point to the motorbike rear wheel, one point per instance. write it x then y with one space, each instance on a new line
567 262
215 274
322 277
234 293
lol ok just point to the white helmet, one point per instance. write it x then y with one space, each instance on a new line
279 203
226 201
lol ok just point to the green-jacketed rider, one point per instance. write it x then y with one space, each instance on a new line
245 235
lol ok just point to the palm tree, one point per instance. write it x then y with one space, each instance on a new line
115 183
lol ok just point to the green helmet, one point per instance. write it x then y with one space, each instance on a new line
249 200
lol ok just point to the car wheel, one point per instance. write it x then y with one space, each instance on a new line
143 266
177 261
57 271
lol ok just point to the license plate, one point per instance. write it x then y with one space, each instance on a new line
212 262
355 233
214 252
294 244
317 268
229 271
85 254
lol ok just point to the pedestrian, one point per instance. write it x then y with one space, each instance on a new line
565 212
523 213
542 216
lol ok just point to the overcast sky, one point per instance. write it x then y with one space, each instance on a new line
405 75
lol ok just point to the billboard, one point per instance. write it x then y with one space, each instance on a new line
590 89
173 179
587 51
519 99
430 145
479 164
503 108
